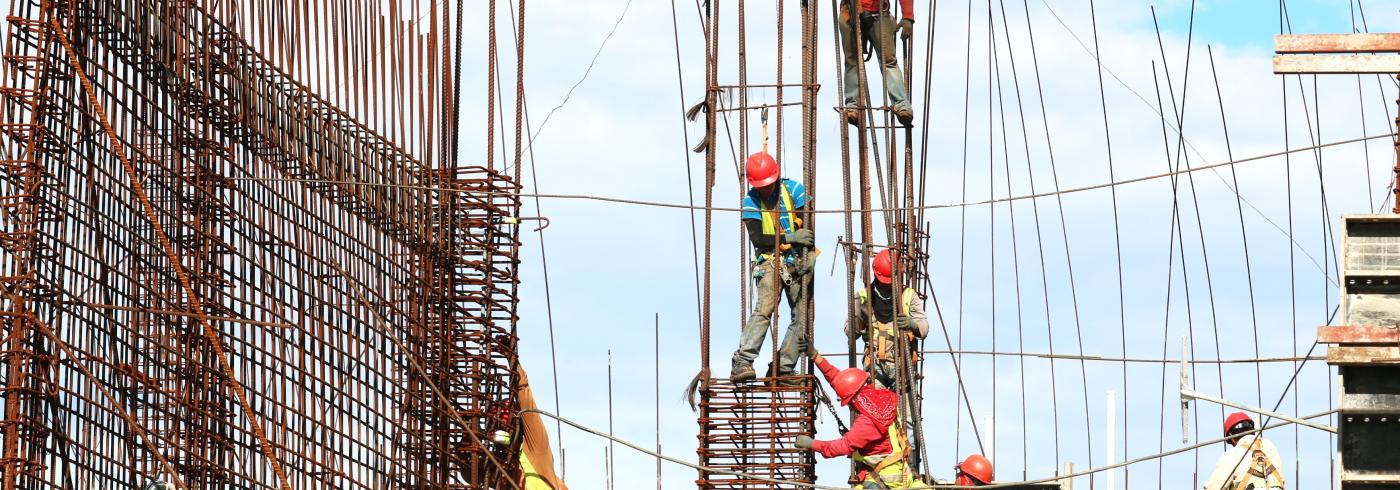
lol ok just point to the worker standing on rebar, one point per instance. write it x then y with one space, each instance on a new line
770 216
876 440
910 320
1250 463
877 28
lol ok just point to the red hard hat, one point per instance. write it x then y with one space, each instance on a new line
1238 421
847 383
882 267
761 168
975 470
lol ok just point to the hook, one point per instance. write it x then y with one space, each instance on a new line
517 220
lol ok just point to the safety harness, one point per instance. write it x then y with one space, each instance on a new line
890 468
1260 468
884 335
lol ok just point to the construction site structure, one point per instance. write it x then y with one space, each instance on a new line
1364 348
1364 345
226 267
750 427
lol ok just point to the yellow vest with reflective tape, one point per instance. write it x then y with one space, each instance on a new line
890 468
770 216
884 334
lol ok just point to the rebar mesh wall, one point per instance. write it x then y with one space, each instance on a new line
365 315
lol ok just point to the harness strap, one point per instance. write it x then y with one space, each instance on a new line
1261 468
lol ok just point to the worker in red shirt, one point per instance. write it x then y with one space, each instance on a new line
877 25
876 441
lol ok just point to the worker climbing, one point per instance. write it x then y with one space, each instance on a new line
974 471
876 440
1251 462
884 332
770 216
877 29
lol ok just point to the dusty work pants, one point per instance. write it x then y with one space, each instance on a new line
766 292
879 28
885 374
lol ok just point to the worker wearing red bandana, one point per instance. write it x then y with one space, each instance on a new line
876 441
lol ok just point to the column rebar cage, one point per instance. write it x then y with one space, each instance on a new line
224 266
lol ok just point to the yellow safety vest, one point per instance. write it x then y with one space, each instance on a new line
884 335
770 216
890 468
533 481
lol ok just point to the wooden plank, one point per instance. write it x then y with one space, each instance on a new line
1363 355
1337 64
1370 404
1337 43
1358 335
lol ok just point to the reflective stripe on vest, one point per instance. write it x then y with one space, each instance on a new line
905 303
890 468
883 334
770 217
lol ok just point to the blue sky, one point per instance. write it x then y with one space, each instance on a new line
613 267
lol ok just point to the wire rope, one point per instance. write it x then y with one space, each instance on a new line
1015 250
1059 478
661 204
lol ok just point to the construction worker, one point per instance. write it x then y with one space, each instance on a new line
770 216
884 332
1250 463
877 27
536 459
974 471
876 441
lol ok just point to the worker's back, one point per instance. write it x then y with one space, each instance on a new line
1253 463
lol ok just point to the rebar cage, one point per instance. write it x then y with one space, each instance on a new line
214 277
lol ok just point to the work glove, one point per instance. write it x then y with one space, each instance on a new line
904 323
803 442
800 237
812 352
906 29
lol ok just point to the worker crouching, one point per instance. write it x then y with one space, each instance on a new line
877 440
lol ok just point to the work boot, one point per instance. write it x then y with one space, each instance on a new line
904 115
741 373
853 117
790 380
781 377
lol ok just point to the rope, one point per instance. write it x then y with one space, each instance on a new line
641 202
1180 113
1144 360
1239 208
1174 225
524 114
1035 209
962 236
596 53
